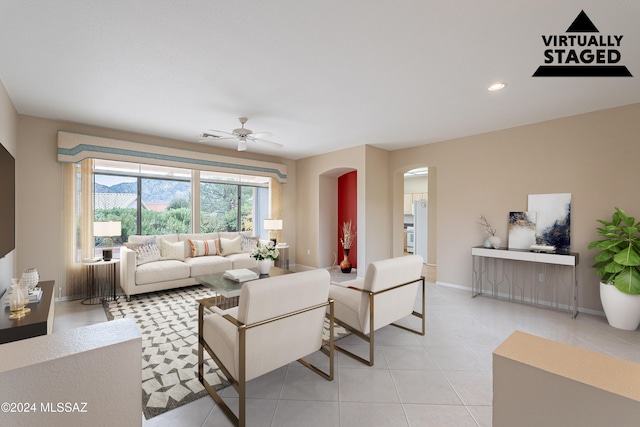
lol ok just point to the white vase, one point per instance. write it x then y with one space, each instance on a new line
264 265
495 241
622 310
30 278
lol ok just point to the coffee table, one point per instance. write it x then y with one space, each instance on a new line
229 290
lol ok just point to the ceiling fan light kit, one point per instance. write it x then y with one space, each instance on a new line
240 134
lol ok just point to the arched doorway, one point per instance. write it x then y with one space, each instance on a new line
416 229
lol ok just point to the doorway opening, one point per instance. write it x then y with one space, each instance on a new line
416 218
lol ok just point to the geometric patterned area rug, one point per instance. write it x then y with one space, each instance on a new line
168 323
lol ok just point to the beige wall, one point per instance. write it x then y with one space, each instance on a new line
317 201
39 190
9 139
592 156
488 174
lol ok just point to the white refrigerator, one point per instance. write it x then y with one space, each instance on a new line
420 221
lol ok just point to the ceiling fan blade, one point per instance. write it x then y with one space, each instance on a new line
212 138
262 135
264 141
218 134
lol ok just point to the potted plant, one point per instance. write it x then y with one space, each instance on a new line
265 255
618 265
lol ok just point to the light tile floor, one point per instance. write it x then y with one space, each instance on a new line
441 379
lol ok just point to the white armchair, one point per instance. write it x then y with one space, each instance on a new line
278 320
385 295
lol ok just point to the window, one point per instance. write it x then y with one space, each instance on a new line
231 202
150 200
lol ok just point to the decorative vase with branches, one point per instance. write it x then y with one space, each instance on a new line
493 241
347 239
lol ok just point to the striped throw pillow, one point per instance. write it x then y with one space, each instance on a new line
203 247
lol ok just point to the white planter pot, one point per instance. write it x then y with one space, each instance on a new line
264 265
622 310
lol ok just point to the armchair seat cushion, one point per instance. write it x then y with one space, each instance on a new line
347 303
216 329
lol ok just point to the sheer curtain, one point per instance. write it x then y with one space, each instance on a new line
78 223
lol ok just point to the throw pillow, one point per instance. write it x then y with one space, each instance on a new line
230 246
203 247
249 243
145 252
170 250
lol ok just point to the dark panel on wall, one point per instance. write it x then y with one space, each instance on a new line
7 202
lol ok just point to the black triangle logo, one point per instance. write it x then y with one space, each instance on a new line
582 24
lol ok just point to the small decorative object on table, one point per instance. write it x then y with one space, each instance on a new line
543 248
348 236
240 275
30 278
18 301
265 255
493 241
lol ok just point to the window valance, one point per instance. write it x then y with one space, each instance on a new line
74 147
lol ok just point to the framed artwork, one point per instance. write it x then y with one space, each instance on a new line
522 230
553 219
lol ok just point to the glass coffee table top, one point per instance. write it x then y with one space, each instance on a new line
230 288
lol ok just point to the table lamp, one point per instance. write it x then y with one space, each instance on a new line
273 225
108 230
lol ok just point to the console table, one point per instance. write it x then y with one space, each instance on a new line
38 322
521 275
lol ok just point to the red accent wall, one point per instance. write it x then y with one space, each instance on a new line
348 210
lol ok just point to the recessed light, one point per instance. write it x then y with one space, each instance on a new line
497 86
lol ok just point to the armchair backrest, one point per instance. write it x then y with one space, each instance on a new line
395 304
275 344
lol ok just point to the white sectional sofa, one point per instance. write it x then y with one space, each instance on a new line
154 263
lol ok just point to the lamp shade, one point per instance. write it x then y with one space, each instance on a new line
107 228
273 224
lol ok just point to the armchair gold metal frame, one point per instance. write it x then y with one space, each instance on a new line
371 337
240 383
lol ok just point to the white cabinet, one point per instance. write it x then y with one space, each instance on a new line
409 199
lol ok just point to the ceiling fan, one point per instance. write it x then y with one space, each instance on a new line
242 134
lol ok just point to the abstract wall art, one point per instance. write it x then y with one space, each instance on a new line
522 230
553 219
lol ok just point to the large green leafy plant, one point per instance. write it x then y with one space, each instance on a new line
618 262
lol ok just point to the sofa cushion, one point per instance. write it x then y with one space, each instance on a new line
171 250
201 266
242 260
185 237
230 246
161 271
203 247
146 251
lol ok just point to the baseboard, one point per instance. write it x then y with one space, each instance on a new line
452 285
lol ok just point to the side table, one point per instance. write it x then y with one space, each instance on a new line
283 259
101 281
38 322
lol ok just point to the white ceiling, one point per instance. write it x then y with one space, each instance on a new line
320 75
